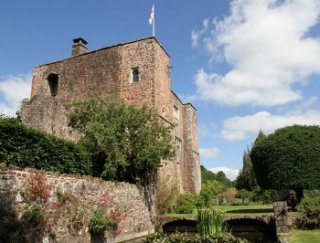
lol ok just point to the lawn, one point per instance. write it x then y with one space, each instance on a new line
234 211
305 236
240 210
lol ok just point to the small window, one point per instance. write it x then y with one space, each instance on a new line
176 112
53 83
135 74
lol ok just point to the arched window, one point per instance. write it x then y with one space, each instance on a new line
53 83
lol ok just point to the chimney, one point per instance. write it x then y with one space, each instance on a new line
79 46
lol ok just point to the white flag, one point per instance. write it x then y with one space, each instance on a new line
151 19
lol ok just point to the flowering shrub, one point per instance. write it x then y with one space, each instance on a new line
38 219
106 218
37 188
34 222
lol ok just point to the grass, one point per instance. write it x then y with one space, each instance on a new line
235 210
240 210
305 236
250 210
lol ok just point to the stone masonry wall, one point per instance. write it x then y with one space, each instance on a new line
128 197
108 72
191 174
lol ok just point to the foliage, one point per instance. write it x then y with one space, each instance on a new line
126 142
193 238
207 175
73 210
34 222
105 217
228 196
288 158
210 222
209 189
263 196
246 178
244 195
212 184
37 219
27 147
310 208
167 194
305 236
37 188
98 222
187 203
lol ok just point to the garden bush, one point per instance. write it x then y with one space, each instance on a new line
193 238
310 208
26 147
186 203
263 196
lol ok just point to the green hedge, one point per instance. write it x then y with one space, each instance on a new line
26 147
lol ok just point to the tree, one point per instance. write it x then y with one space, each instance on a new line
209 190
246 178
207 175
288 158
126 142
244 194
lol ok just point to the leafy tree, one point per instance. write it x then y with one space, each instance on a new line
126 142
244 194
207 175
288 158
212 184
209 189
246 178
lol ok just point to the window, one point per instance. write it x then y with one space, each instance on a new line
53 83
135 74
176 112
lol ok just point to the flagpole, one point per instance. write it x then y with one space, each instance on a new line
152 21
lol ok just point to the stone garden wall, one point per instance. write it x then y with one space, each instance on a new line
81 193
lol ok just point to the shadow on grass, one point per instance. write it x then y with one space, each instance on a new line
251 211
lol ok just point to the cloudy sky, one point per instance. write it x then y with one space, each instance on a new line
246 65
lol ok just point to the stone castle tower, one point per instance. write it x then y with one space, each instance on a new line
136 72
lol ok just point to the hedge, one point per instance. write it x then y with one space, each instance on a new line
26 147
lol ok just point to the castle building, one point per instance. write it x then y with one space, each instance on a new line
136 72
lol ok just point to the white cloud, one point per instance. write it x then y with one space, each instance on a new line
13 89
209 153
239 128
196 34
267 46
229 172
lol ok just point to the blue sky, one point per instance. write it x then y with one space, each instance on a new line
246 65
